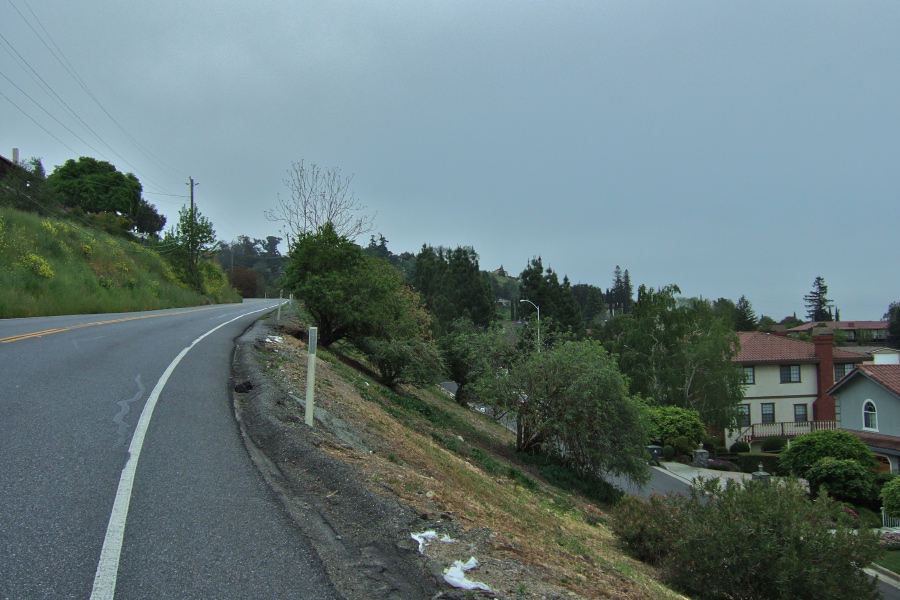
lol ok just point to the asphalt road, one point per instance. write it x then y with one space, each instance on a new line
89 509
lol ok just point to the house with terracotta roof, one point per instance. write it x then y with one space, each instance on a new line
786 384
857 331
868 405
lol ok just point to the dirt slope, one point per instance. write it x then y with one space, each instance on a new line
369 475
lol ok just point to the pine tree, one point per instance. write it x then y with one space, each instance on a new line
744 316
817 302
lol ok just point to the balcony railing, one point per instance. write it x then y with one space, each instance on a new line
787 429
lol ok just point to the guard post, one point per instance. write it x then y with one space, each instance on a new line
311 374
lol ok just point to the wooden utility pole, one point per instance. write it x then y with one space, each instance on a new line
191 233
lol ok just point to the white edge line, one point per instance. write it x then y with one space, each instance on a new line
108 566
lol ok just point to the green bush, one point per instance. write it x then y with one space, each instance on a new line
844 479
739 447
671 422
668 453
773 444
748 462
684 446
756 540
808 448
710 443
890 497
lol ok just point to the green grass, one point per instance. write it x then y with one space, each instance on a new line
890 561
50 267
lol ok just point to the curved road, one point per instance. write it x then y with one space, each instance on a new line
90 509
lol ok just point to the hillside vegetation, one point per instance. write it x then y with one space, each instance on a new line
50 266
537 529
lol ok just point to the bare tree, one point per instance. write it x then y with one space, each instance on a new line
318 197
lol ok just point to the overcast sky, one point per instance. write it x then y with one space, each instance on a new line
732 148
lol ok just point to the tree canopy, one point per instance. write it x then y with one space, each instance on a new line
571 400
556 300
453 286
96 186
681 355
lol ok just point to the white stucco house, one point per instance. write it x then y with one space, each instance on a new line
786 385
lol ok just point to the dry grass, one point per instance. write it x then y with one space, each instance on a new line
538 535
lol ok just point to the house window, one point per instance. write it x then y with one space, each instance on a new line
870 416
743 415
800 415
768 413
749 375
841 370
790 373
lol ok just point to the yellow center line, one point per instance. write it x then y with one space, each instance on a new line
35 334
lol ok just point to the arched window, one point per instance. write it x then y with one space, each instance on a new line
870 416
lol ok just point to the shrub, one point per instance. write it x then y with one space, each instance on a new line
643 527
710 443
773 444
889 541
808 448
748 462
844 479
671 422
739 447
668 453
684 446
722 465
890 497
754 540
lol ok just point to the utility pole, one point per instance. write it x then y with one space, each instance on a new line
191 233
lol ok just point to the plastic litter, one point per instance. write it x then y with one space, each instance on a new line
274 339
455 575
421 537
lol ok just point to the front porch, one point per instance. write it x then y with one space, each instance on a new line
787 430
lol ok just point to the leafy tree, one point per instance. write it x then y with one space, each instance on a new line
95 186
571 400
671 422
465 356
744 315
355 297
681 356
725 310
892 316
817 302
753 541
590 300
319 197
559 309
890 496
811 447
766 323
843 479
246 282
191 240
791 321
453 286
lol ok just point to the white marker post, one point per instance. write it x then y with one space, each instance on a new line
311 374
280 292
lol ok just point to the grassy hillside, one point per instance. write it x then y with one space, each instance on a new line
538 531
52 267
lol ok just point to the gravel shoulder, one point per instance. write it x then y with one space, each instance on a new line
362 537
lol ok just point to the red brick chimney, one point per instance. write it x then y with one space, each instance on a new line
824 405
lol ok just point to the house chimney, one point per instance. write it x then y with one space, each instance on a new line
824 405
15 156
780 330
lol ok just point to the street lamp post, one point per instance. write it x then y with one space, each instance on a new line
538 320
